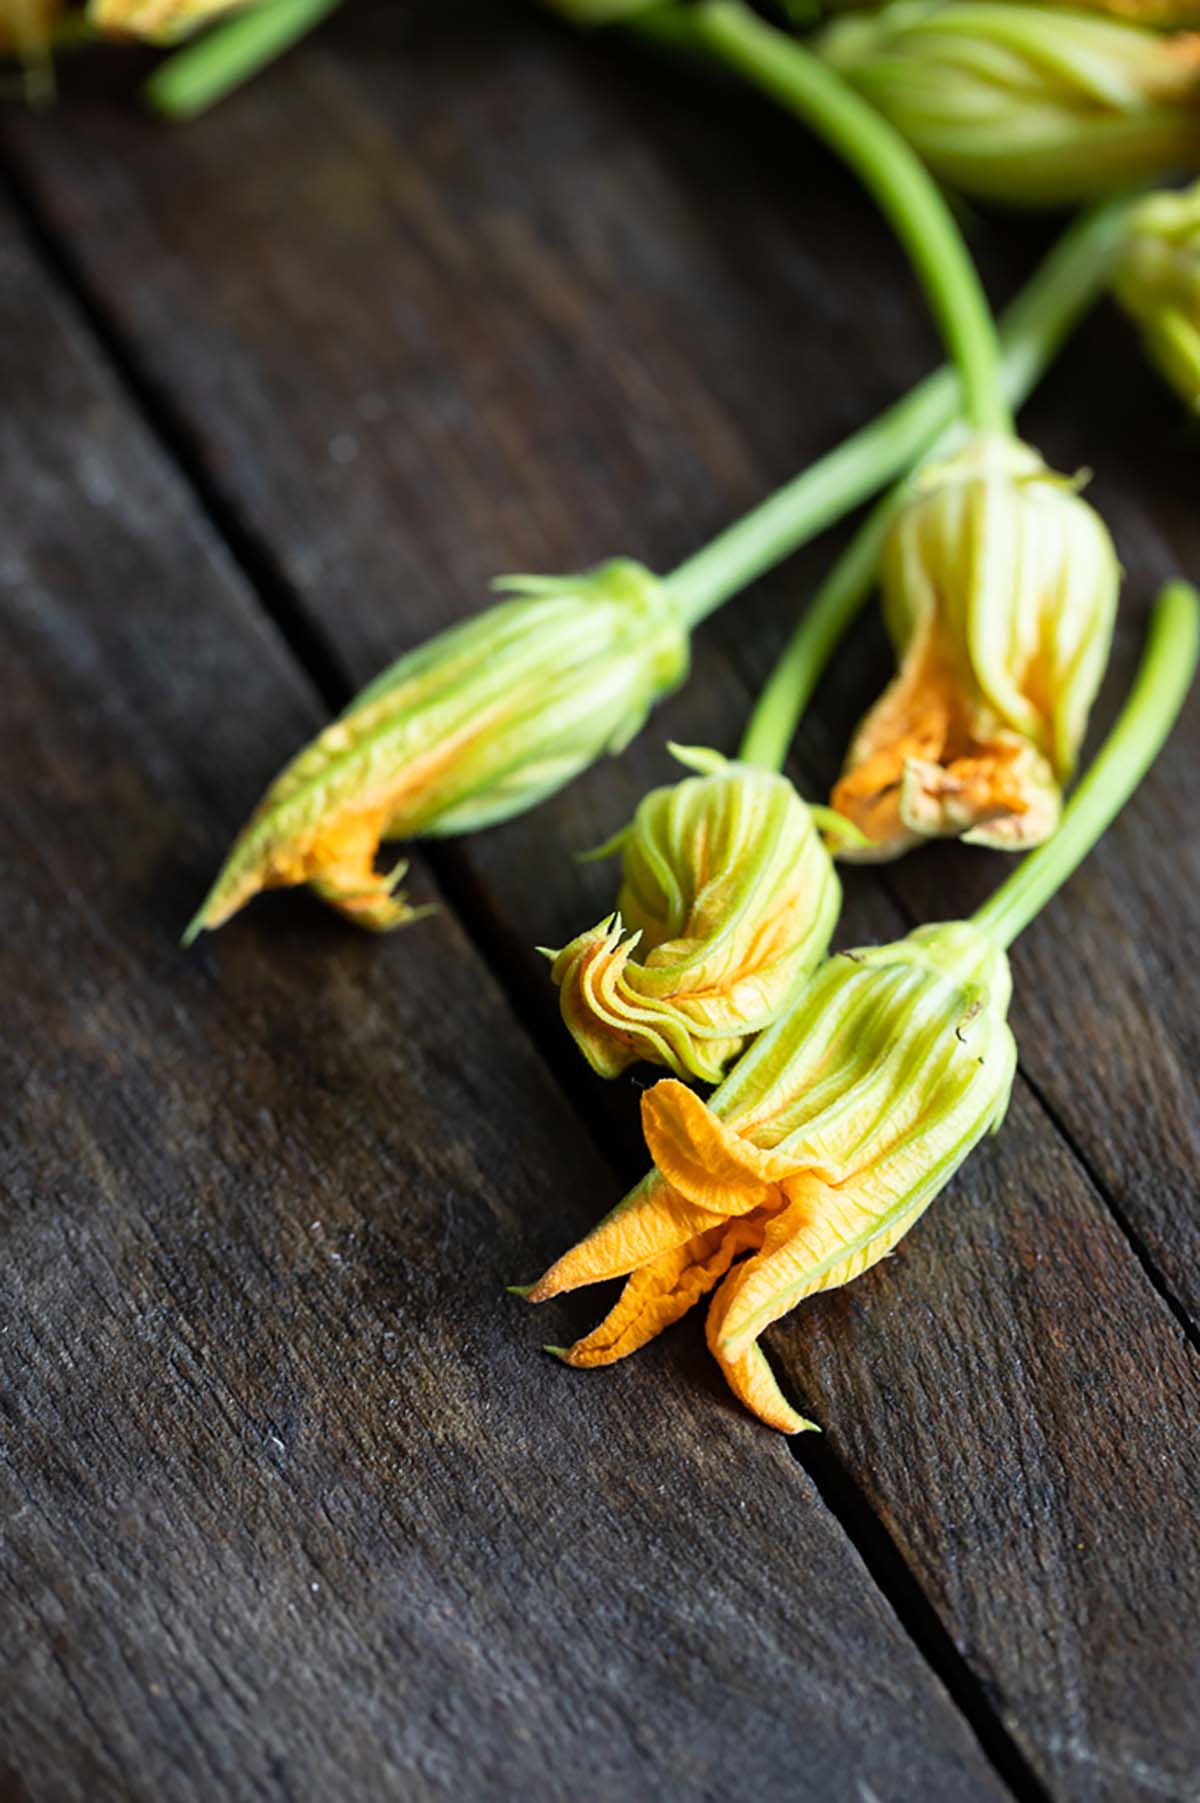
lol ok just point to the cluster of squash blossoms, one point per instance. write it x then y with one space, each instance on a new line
849 1087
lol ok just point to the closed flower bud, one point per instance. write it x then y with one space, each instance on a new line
728 899
1158 283
479 724
833 1134
158 21
999 589
1027 104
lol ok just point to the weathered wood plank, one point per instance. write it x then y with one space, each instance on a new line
289 1504
589 343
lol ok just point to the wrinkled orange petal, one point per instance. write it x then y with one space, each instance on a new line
703 1158
911 719
663 1291
652 1220
341 868
338 860
705 1175
753 1383
929 761
799 1255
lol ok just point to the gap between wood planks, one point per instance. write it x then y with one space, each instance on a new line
839 1490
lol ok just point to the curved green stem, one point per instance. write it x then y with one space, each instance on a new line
908 195
1031 332
1143 725
777 712
195 78
1036 325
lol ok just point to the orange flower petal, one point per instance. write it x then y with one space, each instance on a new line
753 1383
663 1291
652 1220
930 761
704 1159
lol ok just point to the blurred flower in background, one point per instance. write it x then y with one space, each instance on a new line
1158 283
158 21
1027 104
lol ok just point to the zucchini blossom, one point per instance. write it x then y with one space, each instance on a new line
999 591
1026 104
833 1134
1158 282
480 723
728 900
847 1117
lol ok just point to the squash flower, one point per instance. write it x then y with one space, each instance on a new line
728 900
812 1160
1026 104
157 21
846 1118
999 590
480 723
1157 281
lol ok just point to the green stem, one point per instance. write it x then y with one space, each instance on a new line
193 79
1031 331
908 195
1159 688
786 693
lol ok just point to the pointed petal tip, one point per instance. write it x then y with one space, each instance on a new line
700 758
193 930
426 911
840 833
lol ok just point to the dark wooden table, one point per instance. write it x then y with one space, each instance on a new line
291 1506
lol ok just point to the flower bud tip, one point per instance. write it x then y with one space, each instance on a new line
700 758
728 899
478 724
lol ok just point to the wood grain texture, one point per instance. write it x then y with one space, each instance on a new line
290 1505
580 336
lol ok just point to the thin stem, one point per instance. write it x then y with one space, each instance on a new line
1031 332
807 86
1034 328
192 80
788 689
1151 708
